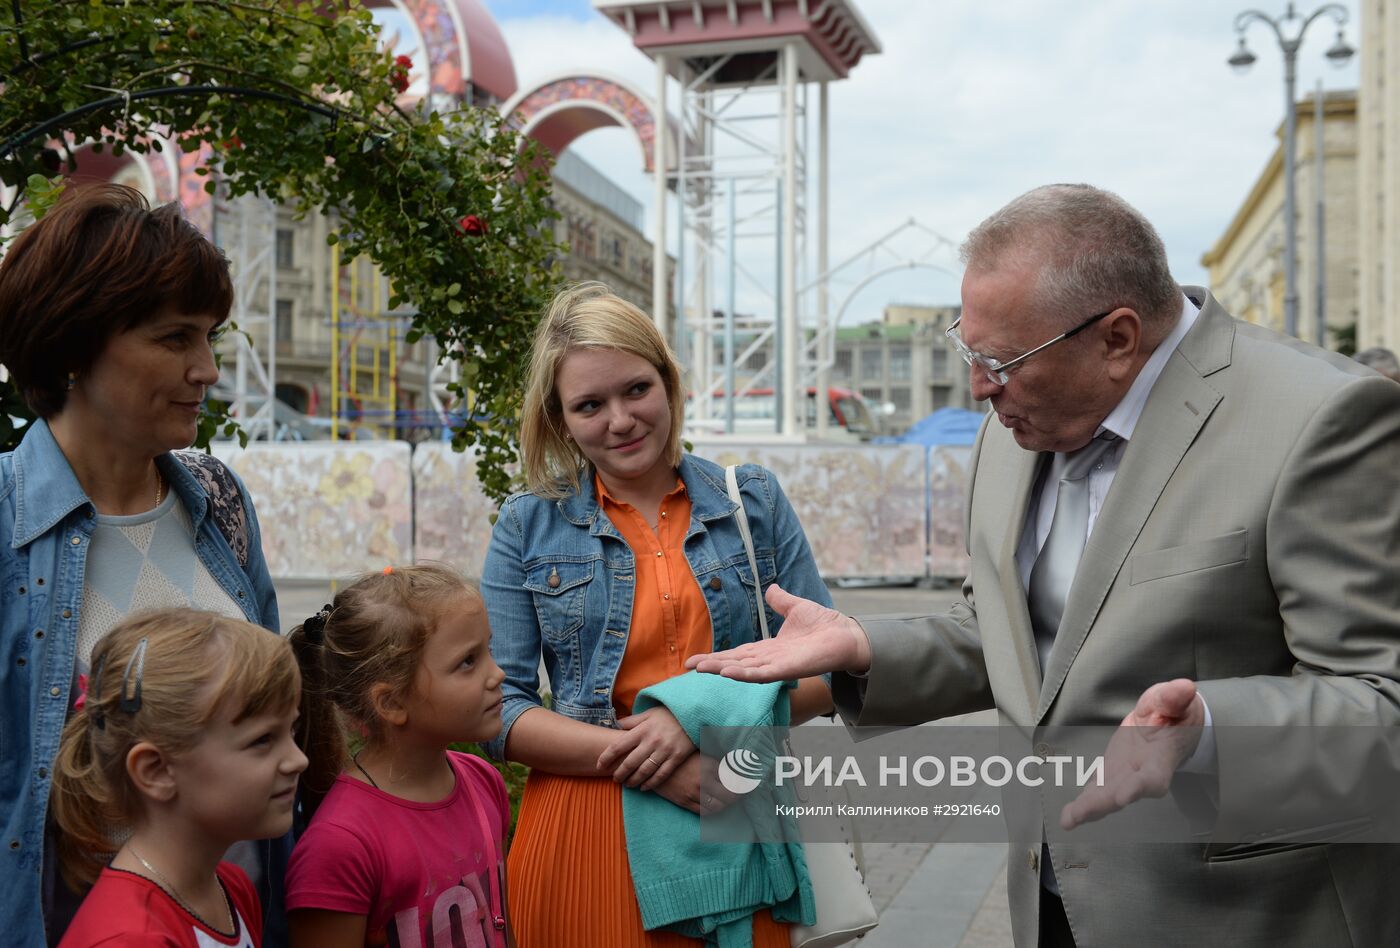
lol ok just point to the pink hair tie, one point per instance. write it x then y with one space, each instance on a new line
82 693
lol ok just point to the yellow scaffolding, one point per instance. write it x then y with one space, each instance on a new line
364 350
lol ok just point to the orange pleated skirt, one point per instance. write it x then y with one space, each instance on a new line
569 882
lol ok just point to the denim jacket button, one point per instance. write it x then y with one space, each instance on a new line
67 613
54 691
715 584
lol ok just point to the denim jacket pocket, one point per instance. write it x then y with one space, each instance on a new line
559 590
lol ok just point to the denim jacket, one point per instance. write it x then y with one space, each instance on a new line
46 522
580 624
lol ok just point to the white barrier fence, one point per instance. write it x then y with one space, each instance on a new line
330 510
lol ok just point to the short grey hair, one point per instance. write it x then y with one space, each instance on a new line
1380 359
1093 250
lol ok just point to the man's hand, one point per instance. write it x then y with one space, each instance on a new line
814 640
1160 734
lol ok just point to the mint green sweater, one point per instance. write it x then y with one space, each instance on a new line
711 890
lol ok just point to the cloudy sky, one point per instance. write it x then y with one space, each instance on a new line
972 102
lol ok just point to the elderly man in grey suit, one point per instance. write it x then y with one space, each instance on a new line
1175 519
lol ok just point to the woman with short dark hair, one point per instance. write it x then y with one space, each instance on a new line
108 316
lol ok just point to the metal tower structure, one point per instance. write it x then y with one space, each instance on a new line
744 70
245 228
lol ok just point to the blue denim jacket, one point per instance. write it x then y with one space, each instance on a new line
46 522
580 625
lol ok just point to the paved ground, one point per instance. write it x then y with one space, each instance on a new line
930 894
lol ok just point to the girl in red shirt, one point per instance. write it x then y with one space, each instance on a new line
182 747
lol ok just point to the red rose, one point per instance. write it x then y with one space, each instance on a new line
398 73
473 225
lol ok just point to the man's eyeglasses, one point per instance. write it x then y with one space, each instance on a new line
995 369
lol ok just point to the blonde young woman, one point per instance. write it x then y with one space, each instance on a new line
621 559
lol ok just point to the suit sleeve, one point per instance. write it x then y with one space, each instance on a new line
1333 555
922 668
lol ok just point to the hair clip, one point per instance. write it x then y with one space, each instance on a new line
314 628
388 571
95 689
131 704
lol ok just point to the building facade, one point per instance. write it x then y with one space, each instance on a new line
599 224
902 365
1378 173
1246 263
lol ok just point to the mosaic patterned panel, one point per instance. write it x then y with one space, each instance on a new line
947 542
328 510
862 506
452 517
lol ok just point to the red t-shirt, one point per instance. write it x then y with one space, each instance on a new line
125 910
420 873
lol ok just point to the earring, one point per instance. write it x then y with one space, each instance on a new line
72 380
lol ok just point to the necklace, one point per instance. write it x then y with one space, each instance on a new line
160 484
169 890
355 759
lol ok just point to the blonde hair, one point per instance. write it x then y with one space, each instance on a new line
374 633
194 664
585 316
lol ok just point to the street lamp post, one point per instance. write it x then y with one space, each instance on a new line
1242 59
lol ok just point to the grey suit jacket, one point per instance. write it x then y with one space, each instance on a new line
1250 542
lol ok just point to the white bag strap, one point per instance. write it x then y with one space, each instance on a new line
741 516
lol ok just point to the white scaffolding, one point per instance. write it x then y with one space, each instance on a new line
742 235
245 228
744 72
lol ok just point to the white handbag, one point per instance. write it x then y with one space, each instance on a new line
844 909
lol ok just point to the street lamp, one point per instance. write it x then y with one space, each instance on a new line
1242 59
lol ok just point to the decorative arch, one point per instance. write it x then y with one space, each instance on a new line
462 44
557 111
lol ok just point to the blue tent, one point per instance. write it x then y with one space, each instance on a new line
944 426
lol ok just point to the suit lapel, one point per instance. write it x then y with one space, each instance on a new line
1022 470
1176 410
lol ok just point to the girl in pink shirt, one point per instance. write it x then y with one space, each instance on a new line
407 843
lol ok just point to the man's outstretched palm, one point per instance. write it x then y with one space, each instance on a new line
814 640
1143 755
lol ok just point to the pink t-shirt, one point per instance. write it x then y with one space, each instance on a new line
420 873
